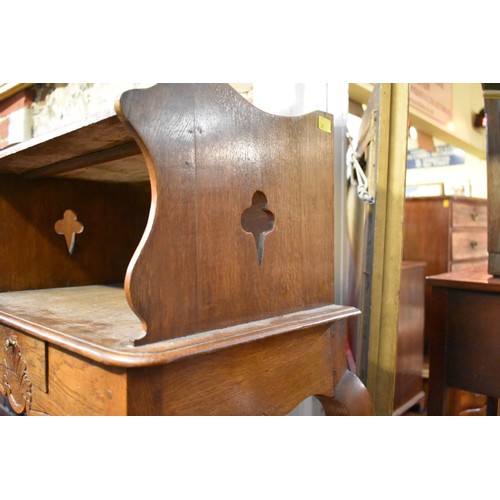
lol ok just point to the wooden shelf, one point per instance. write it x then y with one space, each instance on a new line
466 280
193 184
99 148
97 322
96 314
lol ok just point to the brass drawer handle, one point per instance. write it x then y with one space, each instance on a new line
9 343
474 244
474 215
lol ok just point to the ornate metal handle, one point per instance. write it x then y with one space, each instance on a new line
473 244
9 343
474 215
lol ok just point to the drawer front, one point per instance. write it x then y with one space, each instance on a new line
23 368
469 215
475 266
469 245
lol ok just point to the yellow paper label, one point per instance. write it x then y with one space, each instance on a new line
446 203
325 124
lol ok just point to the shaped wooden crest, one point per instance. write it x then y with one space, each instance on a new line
241 226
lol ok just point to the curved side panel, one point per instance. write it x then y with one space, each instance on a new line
162 121
206 261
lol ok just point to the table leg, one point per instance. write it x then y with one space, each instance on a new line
492 407
437 397
351 398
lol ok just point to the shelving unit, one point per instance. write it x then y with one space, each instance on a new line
174 256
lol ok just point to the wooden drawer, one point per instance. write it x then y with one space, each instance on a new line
23 368
469 215
476 266
469 245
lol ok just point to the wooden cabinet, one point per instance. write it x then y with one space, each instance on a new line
449 234
409 388
173 257
465 348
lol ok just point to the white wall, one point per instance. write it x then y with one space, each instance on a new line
471 178
59 104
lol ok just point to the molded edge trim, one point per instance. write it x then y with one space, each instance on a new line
169 351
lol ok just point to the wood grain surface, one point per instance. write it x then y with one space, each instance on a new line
410 353
229 249
464 351
209 151
94 149
80 387
33 255
251 379
96 322
469 214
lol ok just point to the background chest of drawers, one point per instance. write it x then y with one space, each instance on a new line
449 234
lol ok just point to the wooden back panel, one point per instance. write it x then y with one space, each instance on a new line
33 255
420 243
241 226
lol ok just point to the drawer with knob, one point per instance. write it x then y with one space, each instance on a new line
469 245
469 215
476 266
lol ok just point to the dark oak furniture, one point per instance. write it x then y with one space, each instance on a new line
465 346
449 234
491 93
174 257
409 387
465 350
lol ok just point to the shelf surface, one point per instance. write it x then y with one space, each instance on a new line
97 314
96 322
466 280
